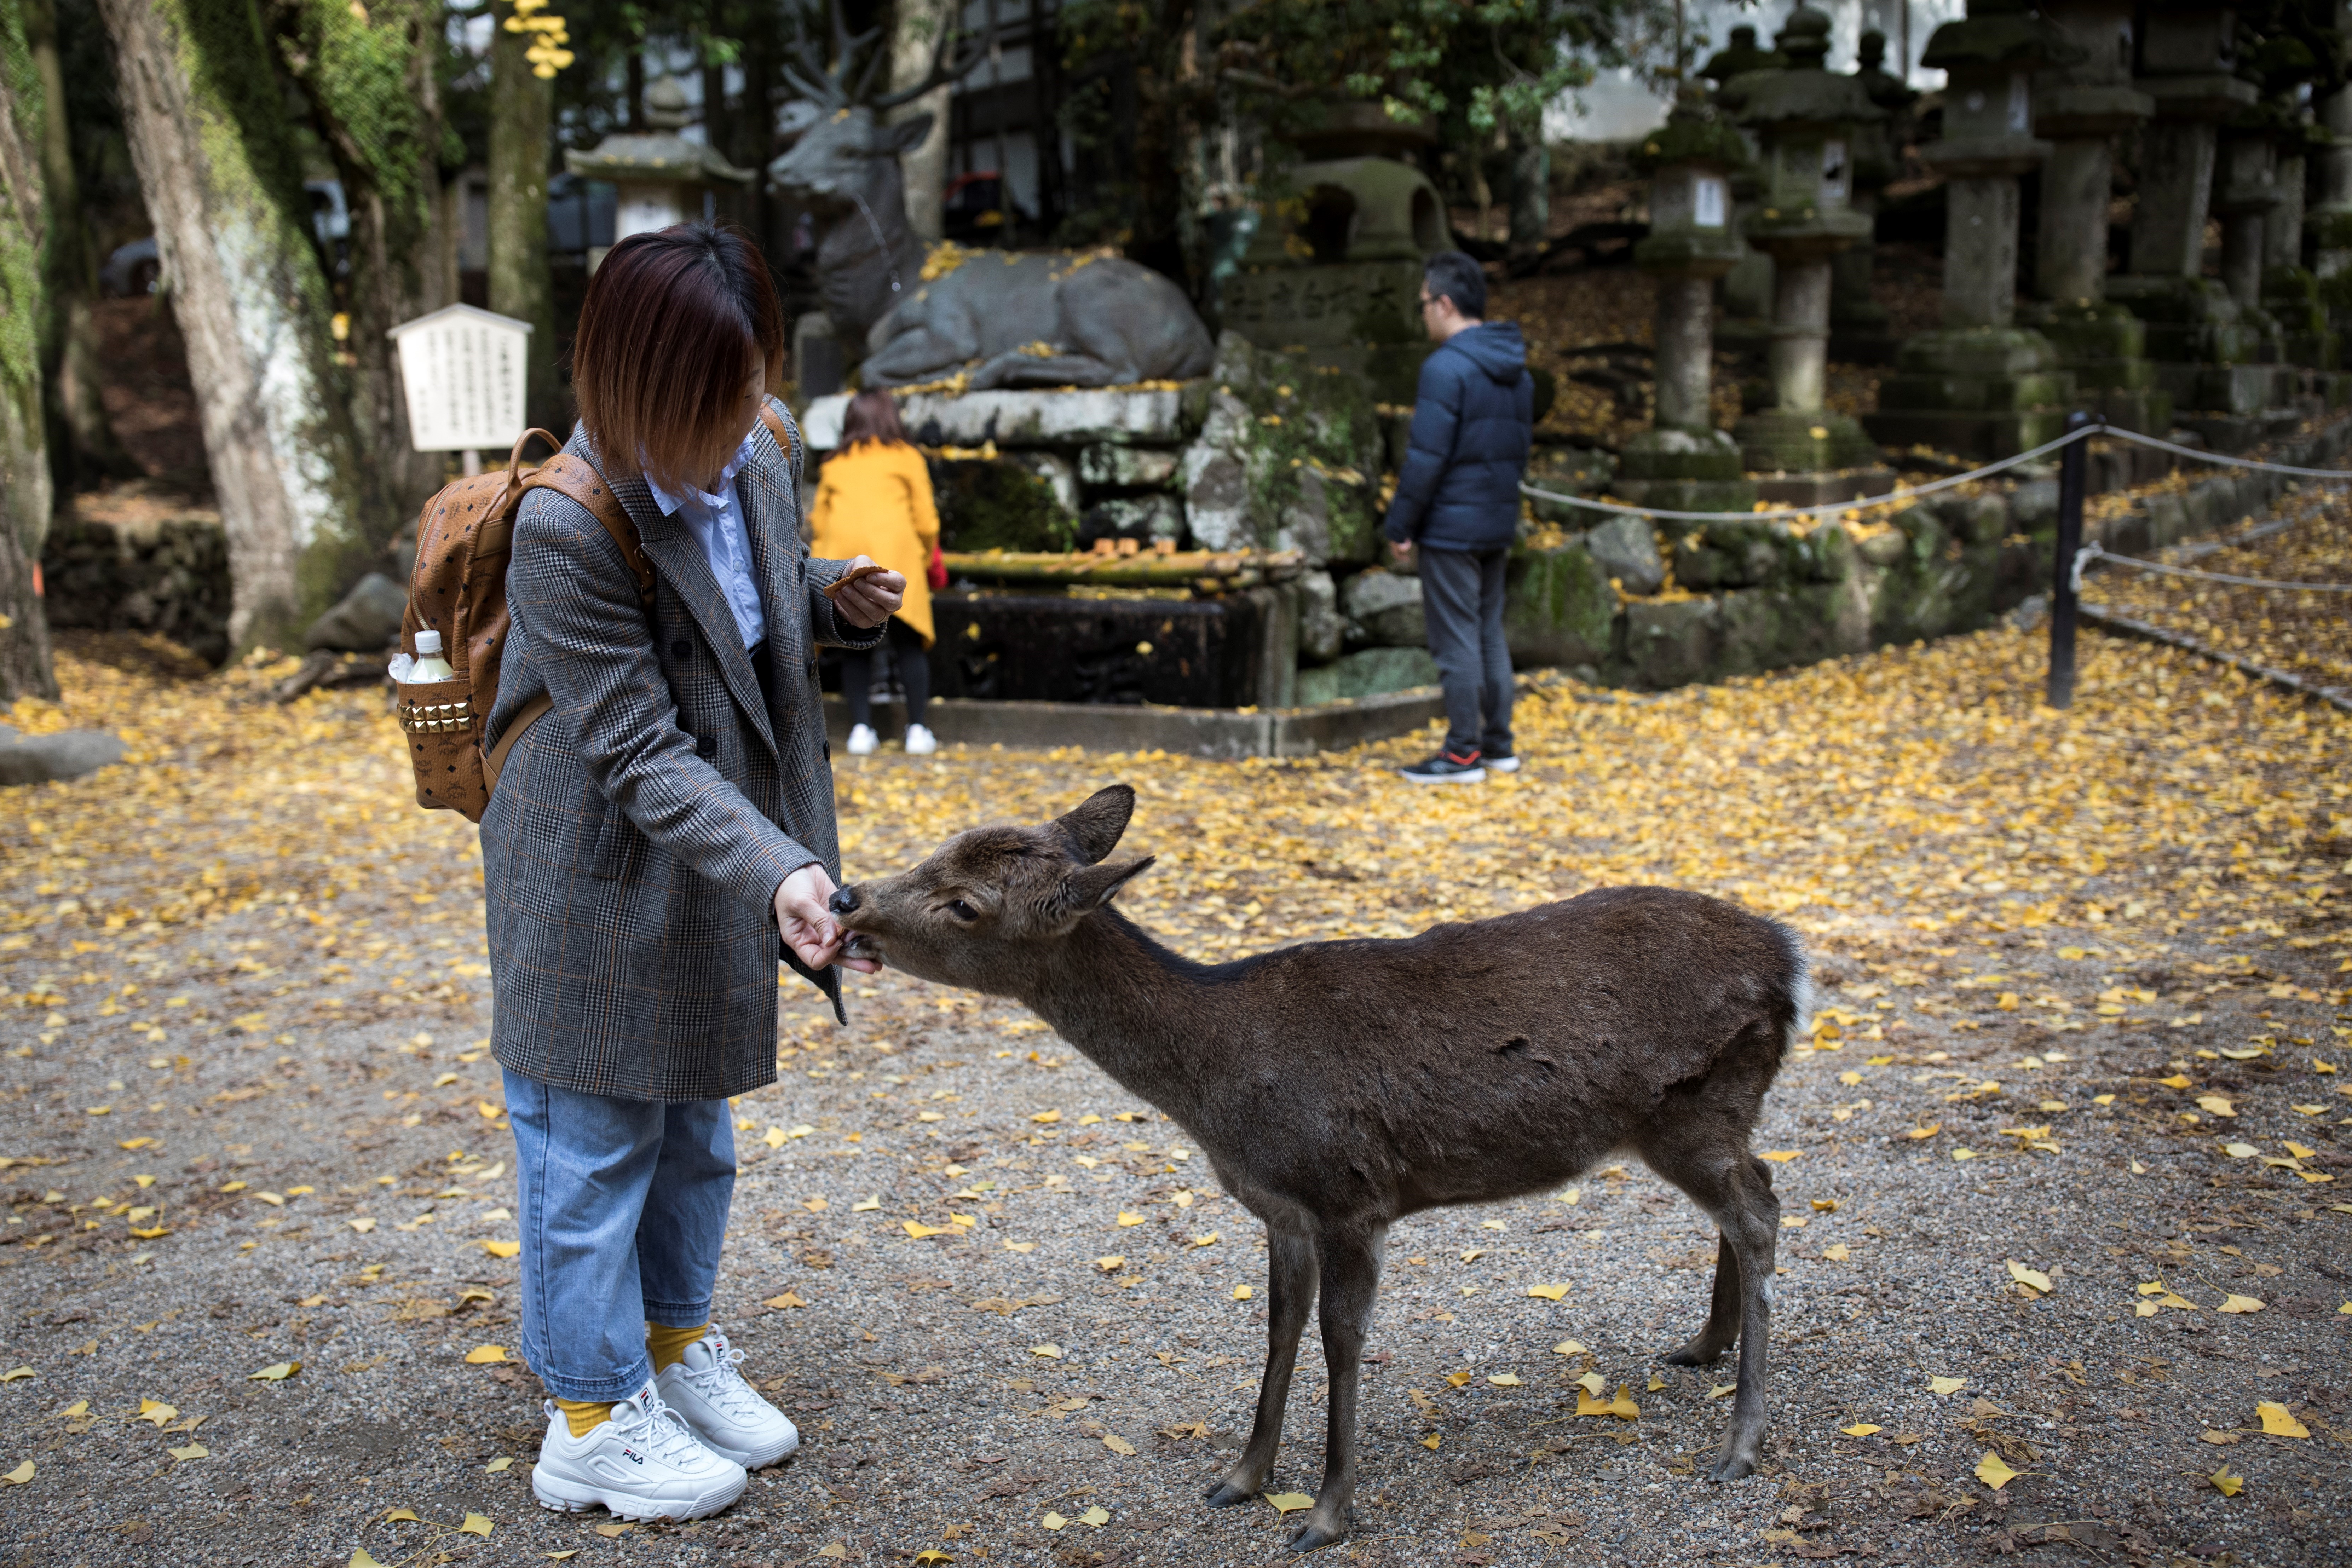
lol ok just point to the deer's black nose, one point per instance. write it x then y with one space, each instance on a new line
842 901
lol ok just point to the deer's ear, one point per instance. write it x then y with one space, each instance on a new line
1094 827
906 136
1096 886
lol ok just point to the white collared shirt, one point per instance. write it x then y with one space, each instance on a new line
717 524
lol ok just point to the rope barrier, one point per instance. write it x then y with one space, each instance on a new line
2337 476
2090 551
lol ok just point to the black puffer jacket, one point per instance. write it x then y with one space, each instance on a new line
1472 421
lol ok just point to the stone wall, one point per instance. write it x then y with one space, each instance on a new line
140 568
1740 596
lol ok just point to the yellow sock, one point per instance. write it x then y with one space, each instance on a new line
584 1415
668 1344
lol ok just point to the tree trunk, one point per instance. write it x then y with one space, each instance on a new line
206 118
374 91
82 443
26 494
1530 189
520 285
914 33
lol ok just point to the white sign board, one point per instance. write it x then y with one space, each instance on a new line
464 373
1707 201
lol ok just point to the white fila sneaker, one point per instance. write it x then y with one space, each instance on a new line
709 1395
642 1463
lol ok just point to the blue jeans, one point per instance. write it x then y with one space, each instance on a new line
624 1214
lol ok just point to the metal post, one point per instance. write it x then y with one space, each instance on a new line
2061 582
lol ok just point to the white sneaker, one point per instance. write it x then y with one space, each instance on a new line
920 741
862 740
710 1397
1502 765
642 1462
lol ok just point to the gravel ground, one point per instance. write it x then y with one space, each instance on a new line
996 1294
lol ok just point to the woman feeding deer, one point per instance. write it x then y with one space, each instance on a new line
656 843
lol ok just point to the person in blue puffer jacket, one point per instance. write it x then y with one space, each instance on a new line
1457 499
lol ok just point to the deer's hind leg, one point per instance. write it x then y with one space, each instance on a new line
1721 1331
1736 1191
1290 1293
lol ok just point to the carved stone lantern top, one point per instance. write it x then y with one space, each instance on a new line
1741 57
1989 58
1690 161
1806 118
2187 63
2092 95
660 155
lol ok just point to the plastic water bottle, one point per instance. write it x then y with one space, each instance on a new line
428 665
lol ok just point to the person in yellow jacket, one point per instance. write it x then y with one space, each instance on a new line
874 496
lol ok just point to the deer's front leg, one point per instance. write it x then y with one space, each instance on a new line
1351 1282
1290 1292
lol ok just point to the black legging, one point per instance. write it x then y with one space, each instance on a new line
914 675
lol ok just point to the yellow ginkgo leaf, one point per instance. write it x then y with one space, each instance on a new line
1622 1406
1549 1293
1568 1347
20 1475
1929 1131
398 1514
1119 1445
1128 1219
1051 1352
918 1230
1504 1379
1781 1156
360 1559
1241 1292
279 1373
483 1356
1946 1384
1289 1502
2225 1483
1992 1472
2242 1304
1097 1516
475 1524
1861 1429
2033 1278
2279 1422
502 1249
1054 1522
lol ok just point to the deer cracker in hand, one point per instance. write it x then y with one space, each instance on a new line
1339 1085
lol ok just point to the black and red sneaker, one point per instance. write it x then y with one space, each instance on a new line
1446 768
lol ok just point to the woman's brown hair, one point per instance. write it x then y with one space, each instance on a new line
872 416
674 322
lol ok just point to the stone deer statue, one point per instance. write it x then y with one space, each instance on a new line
1336 1087
1011 319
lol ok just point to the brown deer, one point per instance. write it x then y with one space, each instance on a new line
1339 1085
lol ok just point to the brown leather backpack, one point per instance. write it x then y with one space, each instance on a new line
464 539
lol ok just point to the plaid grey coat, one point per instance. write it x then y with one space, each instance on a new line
633 848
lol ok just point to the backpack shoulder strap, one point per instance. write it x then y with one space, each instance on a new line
574 478
788 437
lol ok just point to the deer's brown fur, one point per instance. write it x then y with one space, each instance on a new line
1336 1087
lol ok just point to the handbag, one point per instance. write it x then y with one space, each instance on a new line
936 574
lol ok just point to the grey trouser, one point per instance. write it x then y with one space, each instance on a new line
1462 598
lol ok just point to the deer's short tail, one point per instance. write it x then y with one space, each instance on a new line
1800 988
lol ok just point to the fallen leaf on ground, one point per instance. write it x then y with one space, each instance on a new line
1622 1406
2279 1422
1119 1445
1054 1522
1568 1347
1992 1472
1946 1384
1051 1352
2225 1483
1861 1429
1097 1516
275 1373
502 1249
2241 1304
20 1475
1781 1156
1128 1219
397 1515
155 1412
1289 1502
1549 1293
498 1465
475 1524
1504 1379
1838 1253
193 1451
483 1356
1241 1292
2034 1278
788 1300
16 1374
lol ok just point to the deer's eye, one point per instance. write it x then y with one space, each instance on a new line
962 910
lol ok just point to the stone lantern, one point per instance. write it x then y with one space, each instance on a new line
1746 326
660 177
2205 353
1983 386
1858 322
2331 216
1805 119
2290 294
2245 195
1685 463
2081 109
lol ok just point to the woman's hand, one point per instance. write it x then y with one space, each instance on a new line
808 926
870 601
